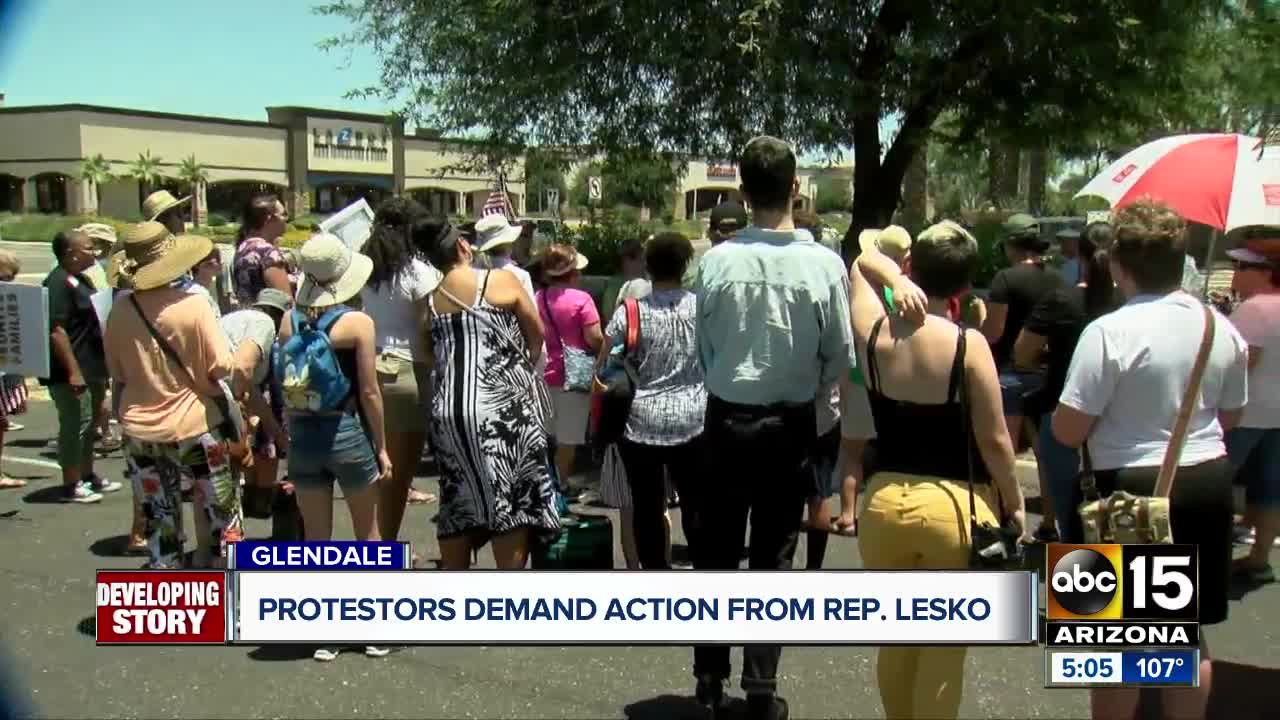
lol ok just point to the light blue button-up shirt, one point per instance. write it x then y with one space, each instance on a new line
773 318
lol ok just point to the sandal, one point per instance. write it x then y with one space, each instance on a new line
8 483
137 546
418 497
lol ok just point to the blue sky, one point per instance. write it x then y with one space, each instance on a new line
229 58
225 58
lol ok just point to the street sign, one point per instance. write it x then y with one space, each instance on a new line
594 189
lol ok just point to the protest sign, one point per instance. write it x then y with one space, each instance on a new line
352 224
24 329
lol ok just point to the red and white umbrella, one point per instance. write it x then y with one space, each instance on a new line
1220 180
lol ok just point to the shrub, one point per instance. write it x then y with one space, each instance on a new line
294 238
600 241
216 220
40 228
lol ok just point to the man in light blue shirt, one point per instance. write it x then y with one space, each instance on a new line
773 328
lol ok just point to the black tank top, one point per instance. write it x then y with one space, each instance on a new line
923 439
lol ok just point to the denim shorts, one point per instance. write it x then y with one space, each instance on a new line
329 448
822 463
1014 386
1255 456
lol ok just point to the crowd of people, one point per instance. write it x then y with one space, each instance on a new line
770 379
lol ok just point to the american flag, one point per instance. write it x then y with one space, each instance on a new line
499 203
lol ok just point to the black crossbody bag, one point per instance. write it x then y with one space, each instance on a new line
991 547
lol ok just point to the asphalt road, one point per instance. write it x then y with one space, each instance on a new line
36 259
47 634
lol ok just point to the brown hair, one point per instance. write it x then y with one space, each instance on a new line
1151 245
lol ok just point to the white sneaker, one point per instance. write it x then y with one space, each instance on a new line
376 652
82 494
325 654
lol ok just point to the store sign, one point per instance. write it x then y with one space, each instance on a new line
722 172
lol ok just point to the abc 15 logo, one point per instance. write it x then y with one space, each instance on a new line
1122 582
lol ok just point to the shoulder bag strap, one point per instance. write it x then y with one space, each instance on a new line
165 347
965 422
487 322
1173 453
552 318
633 325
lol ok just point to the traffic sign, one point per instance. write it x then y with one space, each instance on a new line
594 188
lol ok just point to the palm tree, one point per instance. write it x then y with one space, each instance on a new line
194 175
146 170
96 170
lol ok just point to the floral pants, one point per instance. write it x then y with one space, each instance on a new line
159 471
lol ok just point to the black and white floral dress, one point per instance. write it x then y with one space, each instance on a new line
488 442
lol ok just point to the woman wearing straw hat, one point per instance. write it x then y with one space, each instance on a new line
167 355
573 333
349 444
162 207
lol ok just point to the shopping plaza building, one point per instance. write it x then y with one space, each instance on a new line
317 160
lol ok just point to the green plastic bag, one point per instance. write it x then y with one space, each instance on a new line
584 542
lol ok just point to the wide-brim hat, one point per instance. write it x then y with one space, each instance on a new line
153 257
100 233
332 273
564 268
493 231
159 201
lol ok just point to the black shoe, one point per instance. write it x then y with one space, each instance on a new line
767 707
710 693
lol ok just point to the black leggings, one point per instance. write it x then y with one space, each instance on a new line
645 465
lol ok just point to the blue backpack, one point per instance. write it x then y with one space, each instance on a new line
311 380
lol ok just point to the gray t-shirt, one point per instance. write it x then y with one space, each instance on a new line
257 327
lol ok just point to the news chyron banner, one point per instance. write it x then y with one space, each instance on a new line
364 593
1122 615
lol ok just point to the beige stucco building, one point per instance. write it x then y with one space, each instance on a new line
317 160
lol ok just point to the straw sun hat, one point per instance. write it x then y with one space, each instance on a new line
153 257
160 201
331 272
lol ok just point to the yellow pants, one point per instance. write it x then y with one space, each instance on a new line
911 522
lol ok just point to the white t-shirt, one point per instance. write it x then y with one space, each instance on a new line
1131 368
392 308
1258 320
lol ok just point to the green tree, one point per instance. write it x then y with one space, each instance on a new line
544 170
194 176
639 179
146 170
824 74
96 171
634 178
832 194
